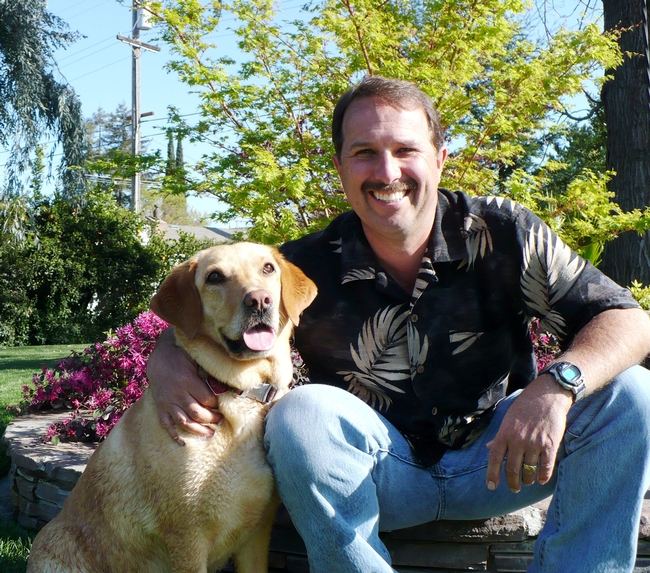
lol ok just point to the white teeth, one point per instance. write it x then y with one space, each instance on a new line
389 197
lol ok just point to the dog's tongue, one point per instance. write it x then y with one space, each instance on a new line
259 338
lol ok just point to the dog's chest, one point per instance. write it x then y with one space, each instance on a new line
232 464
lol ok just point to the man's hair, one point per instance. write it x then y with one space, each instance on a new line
400 93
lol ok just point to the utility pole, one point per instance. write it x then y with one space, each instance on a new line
136 116
136 140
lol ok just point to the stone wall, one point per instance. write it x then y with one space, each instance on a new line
42 476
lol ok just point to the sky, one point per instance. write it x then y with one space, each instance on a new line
98 67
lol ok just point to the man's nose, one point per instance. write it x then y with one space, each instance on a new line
387 168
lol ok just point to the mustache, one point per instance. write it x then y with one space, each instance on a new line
395 186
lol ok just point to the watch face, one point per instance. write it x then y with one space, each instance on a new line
570 373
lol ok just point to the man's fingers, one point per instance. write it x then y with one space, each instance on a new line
167 422
514 463
495 460
546 466
529 469
173 418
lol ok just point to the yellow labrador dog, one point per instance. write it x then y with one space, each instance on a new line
146 505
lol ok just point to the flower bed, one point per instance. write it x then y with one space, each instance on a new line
98 384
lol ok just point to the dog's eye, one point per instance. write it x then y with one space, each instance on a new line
215 277
268 269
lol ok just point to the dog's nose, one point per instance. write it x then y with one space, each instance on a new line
258 300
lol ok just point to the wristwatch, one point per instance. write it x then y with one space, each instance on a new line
569 376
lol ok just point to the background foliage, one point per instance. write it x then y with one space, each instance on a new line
81 271
33 103
503 89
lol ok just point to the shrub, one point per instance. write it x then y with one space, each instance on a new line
81 270
641 294
545 345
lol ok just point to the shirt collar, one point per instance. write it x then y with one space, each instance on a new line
446 242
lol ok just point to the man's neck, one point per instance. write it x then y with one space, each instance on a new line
401 260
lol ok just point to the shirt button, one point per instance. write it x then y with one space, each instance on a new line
420 369
434 411
414 318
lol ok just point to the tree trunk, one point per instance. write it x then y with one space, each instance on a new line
626 100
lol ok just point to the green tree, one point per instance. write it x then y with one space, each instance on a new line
498 90
82 270
32 103
110 161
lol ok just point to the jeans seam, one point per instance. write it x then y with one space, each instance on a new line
395 455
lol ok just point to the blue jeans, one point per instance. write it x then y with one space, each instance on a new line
344 474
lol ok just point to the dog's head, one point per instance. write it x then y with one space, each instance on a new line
241 296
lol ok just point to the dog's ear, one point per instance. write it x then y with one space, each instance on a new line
178 301
298 290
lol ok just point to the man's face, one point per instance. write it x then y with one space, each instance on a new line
389 169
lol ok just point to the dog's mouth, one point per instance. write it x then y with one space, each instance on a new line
259 338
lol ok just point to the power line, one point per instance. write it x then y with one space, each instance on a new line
93 7
99 69
110 38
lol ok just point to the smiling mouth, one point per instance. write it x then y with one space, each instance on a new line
388 196
392 193
259 338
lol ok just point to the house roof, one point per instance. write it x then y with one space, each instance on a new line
215 234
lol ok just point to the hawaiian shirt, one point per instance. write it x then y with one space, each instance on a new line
435 362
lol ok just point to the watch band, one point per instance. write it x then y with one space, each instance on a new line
569 376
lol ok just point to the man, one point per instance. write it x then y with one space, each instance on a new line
424 302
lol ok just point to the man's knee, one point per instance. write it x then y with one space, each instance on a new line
302 416
623 405
632 389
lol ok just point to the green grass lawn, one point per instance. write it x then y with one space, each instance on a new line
17 366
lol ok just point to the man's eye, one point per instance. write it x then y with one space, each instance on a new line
215 277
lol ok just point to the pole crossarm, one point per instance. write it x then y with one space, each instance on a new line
138 44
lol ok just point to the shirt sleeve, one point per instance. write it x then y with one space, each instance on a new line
558 286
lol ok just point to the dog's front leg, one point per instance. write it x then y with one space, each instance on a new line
253 555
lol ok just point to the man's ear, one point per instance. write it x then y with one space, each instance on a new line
298 290
178 301
337 163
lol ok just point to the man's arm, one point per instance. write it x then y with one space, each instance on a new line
182 398
533 429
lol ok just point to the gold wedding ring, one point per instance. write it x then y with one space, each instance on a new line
530 468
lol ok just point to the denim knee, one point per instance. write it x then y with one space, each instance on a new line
623 405
293 415
630 391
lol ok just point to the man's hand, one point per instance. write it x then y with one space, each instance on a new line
530 435
182 398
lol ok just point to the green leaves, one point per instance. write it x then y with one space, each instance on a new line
499 89
81 271
32 102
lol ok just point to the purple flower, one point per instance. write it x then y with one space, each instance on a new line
98 384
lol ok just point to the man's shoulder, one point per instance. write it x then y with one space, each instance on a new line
327 240
483 205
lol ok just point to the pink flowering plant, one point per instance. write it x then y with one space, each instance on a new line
545 345
98 384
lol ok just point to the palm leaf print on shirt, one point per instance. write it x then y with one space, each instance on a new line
549 270
381 357
478 239
359 275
